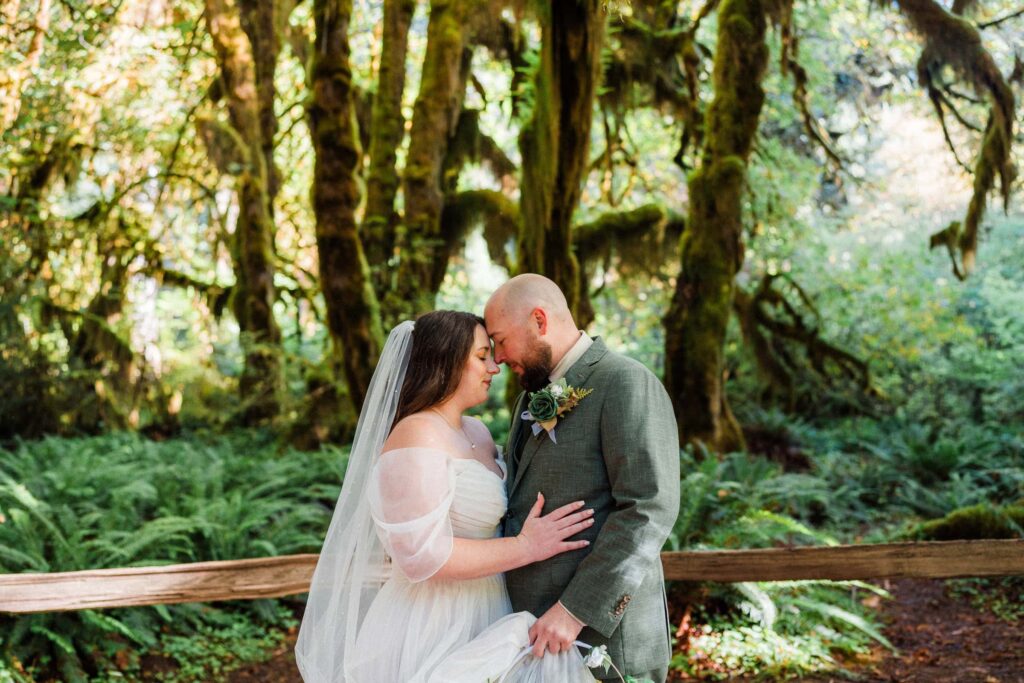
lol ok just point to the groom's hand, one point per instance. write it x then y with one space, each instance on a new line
554 632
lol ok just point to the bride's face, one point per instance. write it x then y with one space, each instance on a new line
478 371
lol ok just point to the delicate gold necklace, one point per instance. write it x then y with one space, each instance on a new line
460 429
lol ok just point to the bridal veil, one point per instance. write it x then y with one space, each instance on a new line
352 565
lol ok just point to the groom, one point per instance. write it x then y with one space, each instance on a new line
618 450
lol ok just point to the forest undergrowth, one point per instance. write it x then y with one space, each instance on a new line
943 440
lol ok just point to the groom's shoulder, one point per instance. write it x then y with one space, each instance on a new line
616 366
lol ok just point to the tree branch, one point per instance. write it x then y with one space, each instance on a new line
996 22
789 56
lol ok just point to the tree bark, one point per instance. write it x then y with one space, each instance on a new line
99 348
435 114
712 245
555 141
386 133
254 292
353 317
262 22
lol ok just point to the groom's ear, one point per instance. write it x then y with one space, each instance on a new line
540 318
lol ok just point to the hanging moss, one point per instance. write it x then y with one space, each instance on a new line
640 240
952 40
789 59
498 214
469 143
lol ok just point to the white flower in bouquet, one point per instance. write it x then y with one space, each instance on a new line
596 657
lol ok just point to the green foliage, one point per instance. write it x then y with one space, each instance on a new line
210 650
871 480
773 629
1003 596
779 630
122 501
112 104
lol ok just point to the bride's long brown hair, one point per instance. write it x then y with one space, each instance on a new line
441 343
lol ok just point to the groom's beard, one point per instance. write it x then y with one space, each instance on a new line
537 368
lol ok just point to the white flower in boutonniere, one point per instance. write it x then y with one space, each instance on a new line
550 403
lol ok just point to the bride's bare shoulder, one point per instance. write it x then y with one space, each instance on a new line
479 431
418 430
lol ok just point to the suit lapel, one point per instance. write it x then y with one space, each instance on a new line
515 435
575 377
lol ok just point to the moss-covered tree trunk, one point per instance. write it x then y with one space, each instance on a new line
254 293
435 114
352 313
712 244
386 132
31 187
262 21
98 348
555 141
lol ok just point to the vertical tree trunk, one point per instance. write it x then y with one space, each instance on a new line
254 292
263 22
98 347
27 216
386 132
555 141
712 246
352 313
442 86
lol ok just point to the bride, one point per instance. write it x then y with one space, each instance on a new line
409 586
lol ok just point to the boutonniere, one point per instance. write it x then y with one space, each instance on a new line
550 403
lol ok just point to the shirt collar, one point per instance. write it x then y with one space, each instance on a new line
570 357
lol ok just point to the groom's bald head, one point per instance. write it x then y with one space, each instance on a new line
518 297
532 327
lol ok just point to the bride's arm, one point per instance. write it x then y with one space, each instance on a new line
540 538
416 487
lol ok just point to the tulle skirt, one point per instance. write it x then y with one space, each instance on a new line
411 627
439 631
502 654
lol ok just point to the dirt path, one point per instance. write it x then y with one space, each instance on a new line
944 639
941 639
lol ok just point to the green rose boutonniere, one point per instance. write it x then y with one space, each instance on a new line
546 405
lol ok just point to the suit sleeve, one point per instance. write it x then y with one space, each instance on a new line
640 446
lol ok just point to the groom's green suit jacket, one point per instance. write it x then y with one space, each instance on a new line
618 451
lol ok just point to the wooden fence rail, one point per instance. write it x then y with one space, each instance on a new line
287 575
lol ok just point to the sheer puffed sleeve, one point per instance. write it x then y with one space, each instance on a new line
410 493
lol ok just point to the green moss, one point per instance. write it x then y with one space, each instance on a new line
975 522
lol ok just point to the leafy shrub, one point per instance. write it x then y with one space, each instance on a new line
122 501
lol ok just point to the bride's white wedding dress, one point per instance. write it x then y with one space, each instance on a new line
420 629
